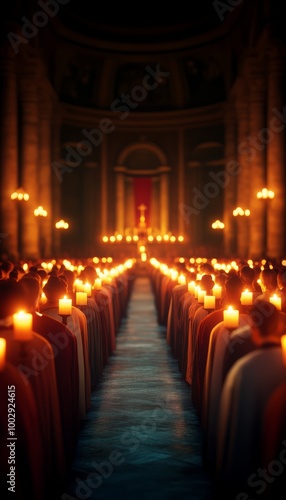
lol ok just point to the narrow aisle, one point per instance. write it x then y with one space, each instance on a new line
141 439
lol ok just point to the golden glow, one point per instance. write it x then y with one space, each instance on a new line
20 195
283 345
265 194
2 353
61 224
217 224
239 211
22 326
40 212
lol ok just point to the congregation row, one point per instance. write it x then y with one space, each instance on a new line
50 372
237 373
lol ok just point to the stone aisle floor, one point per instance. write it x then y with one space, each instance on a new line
141 439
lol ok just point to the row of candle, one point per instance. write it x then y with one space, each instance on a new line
23 330
246 297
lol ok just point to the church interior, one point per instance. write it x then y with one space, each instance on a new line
142 186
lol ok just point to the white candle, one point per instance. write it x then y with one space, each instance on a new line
97 284
276 301
201 294
181 279
23 326
2 353
209 302
65 306
283 345
78 285
217 291
246 298
81 298
231 317
87 288
43 298
192 287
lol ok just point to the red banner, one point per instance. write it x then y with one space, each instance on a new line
142 196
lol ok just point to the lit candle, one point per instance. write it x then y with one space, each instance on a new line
2 353
283 345
87 288
231 317
43 298
97 284
246 298
276 301
78 285
217 291
201 294
81 298
209 302
23 326
181 279
192 287
65 306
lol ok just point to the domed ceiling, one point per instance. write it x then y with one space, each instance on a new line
132 24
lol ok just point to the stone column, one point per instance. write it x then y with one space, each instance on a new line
230 189
29 97
256 151
243 179
164 199
104 197
120 199
276 155
129 204
9 153
45 175
181 182
155 212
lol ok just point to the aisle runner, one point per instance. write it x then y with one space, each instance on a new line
141 439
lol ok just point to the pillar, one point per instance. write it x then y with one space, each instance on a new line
45 175
181 182
243 179
164 199
120 199
230 190
256 151
104 184
30 155
9 154
275 156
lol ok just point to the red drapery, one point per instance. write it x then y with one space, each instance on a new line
142 195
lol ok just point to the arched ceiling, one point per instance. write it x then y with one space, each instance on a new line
136 22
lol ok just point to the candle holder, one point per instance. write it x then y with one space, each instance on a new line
65 318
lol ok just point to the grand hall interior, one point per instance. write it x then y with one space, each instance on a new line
143 250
